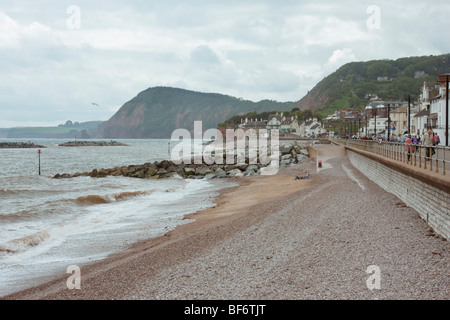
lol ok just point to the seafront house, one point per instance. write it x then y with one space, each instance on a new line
437 117
432 109
377 128
282 123
313 128
252 124
399 120
420 121
273 122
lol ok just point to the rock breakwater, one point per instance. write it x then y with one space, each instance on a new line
19 145
92 144
289 154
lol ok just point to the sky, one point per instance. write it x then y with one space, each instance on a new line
82 60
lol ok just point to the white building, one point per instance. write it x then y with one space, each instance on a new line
437 117
312 128
380 125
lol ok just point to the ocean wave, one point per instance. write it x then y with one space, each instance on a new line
54 207
21 244
6 191
93 199
98 199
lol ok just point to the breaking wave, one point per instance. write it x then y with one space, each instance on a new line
24 243
93 199
98 199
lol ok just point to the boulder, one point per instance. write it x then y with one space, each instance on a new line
304 152
252 167
150 172
116 173
229 167
161 171
165 164
138 174
103 173
286 148
202 170
249 172
297 149
210 176
235 173
242 166
214 167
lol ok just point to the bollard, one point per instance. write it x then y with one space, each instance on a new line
39 153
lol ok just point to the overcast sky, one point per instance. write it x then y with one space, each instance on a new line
57 58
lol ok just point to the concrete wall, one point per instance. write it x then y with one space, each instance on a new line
429 197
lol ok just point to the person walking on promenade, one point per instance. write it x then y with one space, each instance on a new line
436 140
415 142
428 142
408 146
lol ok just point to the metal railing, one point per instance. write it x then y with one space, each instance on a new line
435 158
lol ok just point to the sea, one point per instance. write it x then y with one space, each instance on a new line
48 225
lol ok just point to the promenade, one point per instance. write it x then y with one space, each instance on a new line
274 237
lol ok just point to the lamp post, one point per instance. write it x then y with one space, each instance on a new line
446 109
373 112
389 123
409 114
375 123
366 125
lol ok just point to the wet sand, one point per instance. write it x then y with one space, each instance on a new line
274 237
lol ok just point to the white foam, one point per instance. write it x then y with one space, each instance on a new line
90 232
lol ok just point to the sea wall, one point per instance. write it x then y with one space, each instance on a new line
429 195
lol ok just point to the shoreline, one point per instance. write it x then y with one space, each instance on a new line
277 238
230 203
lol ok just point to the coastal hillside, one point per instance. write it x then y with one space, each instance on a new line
83 130
352 85
156 112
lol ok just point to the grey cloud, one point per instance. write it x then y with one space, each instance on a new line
203 55
255 50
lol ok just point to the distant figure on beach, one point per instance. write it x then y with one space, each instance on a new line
304 177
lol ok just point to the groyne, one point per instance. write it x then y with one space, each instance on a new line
110 143
289 153
20 145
